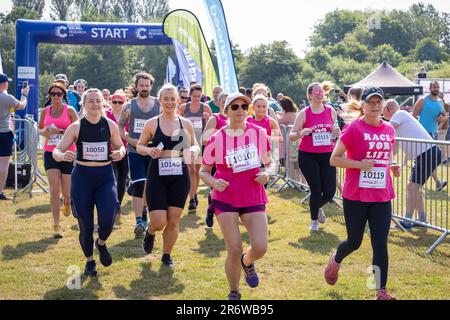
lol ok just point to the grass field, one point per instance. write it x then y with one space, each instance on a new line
33 265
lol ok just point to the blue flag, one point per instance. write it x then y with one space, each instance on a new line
227 70
189 69
171 70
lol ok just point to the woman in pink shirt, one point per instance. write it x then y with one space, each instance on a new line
121 168
237 151
53 122
314 125
365 150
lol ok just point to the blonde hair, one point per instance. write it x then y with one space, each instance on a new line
327 86
84 98
260 97
167 87
353 110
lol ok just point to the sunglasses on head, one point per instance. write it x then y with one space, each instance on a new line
117 102
235 107
54 94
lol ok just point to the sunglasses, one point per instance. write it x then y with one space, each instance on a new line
184 98
54 94
117 102
235 107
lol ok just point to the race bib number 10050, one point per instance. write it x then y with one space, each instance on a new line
95 151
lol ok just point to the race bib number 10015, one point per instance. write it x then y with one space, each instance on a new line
321 139
139 125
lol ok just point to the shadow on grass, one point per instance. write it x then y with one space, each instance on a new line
32 211
334 295
319 242
211 246
130 249
87 292
189 221
22 249
420 246
151 284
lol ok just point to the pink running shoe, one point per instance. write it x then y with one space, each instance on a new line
332 271
383 295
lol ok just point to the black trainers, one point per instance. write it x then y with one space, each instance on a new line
192 205
167 261
3 197
105 256
234 295
90 269
196 200
209 220
148 242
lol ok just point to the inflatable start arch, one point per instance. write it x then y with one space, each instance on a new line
30 33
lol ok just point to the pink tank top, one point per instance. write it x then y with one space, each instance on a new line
321 140
110 115
366 142
221 121
238 161
63 122
264 123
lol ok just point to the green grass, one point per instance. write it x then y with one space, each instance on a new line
33 265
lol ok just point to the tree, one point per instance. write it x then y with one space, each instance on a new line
60 9
153 10
428 49
385 52
350 48
34 5
318 58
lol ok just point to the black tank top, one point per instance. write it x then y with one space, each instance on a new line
93 143
170 143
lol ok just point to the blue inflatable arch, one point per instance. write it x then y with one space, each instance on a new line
30 33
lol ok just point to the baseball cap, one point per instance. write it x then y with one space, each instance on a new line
4 78
370 92
61 76
234 96
77 82
223 94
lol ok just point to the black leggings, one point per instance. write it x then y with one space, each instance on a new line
121 174
378 214
321 178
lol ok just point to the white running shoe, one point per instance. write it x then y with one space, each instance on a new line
322 216
314 226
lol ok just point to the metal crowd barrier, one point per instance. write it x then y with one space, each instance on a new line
26 135
435 201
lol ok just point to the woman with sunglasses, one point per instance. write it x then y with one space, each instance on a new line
93 184
198 113
314 125
365 150
118 99
237 151
53 122
215 123
183 98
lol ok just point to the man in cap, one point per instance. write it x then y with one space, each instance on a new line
8 103
74 99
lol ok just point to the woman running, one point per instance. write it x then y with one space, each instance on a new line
53 122
314 125
237 151
93 182
365 150
198 113
121 168
168 181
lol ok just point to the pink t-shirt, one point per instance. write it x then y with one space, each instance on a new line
366 142
221 121
110 115
63 122
321 139
238 161
264 123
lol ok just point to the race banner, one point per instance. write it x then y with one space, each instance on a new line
227 70
184 26
189 69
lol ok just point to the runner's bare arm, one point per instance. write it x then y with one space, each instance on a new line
209 130
61 152
297 130
418 108
146 136
339 160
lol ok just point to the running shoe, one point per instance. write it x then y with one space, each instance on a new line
196 200
192 205
57 231
384 295
66 210
105 256
209 220
3 197
167 261
314 227
90 269
139 229
251 277
148 242
332 271
406 225
322 216
234 295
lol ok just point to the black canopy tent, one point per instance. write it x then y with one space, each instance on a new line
390 80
